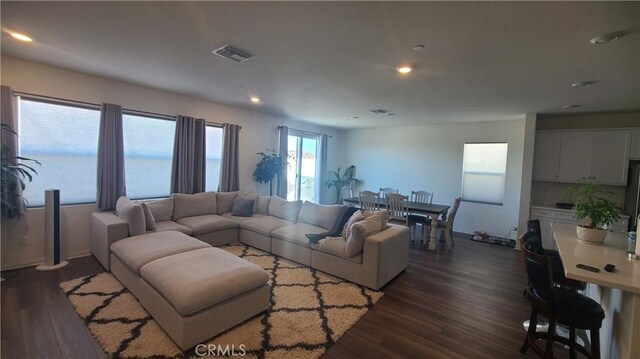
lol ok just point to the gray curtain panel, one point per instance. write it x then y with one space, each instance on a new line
229 170
189 156
111 178
9 117
283 138
321 188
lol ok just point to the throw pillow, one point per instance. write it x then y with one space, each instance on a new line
355 217
242 207
359 232
133 214
382 216
148 217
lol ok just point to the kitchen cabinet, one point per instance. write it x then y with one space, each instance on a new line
546 161
573 156
634 153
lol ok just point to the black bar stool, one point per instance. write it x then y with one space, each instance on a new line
560 305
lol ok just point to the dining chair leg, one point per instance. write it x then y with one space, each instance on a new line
572 342
548 353
595 343
533 323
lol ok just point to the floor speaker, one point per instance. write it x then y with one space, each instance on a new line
52 239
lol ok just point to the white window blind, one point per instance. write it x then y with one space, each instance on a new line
65 140
148 152
483 173
213 157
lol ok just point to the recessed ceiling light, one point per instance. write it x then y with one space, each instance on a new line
418 48
603 39
404 69
567 107
581 84
391 114
356 117
21 37
473 106
255 99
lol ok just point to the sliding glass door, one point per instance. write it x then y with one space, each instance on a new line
302 165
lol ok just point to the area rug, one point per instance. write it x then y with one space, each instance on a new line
309 311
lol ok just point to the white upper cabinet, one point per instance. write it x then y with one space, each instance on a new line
573 156
634 154
576 154
611 157
546 161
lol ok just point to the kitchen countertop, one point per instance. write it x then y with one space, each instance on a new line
573 251
554 208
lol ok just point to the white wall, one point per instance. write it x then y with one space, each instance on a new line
22 243
430 158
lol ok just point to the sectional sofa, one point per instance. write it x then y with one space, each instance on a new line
275 225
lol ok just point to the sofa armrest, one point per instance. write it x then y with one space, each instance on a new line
385 255
106 228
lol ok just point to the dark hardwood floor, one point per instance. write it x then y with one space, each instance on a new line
462 303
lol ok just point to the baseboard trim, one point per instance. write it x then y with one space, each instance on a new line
38 261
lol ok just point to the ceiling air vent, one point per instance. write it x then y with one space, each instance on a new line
379 111
233 53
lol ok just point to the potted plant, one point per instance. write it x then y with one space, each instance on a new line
340 181
271 166
15 174
595 209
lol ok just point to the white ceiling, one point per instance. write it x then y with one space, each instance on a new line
327 62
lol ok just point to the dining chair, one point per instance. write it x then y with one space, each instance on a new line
446 225
386 190
415 219
369 201
397 208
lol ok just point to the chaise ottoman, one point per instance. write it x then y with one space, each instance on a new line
192 290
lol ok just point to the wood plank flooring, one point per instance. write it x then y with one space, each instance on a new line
464 303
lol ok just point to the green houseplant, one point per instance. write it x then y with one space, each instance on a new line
342 180
594 207
271 166
16 173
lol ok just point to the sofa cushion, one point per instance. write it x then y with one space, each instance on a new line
381 215
172 226
149 220
243 207
360 231
196 280
324 216
262 205
357 216
239 219
264 225
224 201
189 205
336 246
133 214
281 208
162 209
295 233
207 223
137 251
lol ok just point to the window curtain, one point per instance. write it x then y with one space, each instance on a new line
283 138
9 118
229 171
189 156
111 178
321 188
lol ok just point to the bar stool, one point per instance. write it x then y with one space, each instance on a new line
561 306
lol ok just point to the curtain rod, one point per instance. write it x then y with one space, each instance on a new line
92 105
308 132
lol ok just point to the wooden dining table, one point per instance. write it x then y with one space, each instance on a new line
432 210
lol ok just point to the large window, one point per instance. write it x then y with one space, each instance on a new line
65 141
214 157
484 170
148 151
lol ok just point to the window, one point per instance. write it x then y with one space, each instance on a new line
65 140
148 152
302 149
483 172
214 157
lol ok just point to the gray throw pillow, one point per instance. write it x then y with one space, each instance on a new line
148 217
133 214
242 207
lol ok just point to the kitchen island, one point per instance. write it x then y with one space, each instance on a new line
618 292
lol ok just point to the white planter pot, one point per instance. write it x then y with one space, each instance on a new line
590 235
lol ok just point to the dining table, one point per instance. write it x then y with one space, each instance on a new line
434 211
618 291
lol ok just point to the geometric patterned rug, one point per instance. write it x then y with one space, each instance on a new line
309 311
